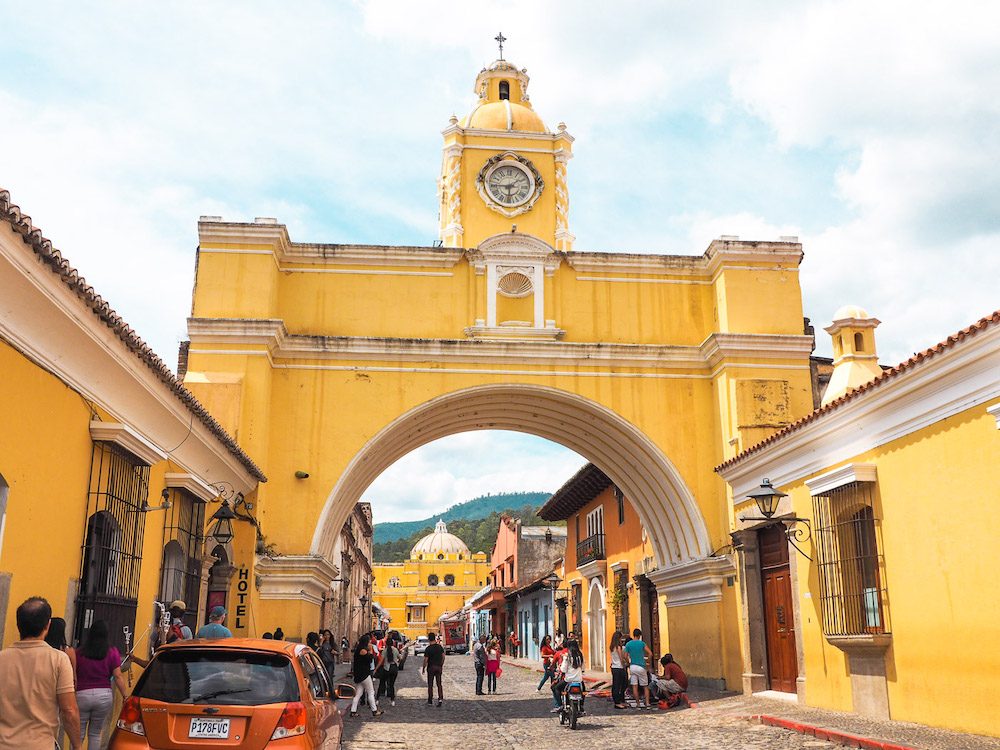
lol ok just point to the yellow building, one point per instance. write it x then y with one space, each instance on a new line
439 576
328 362
881 599
110 470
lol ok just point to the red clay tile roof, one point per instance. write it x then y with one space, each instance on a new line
52 258
981 325
580 489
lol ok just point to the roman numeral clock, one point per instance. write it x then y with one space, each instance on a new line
509 184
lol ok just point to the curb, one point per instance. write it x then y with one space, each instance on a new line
831 735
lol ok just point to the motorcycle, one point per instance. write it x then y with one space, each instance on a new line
572 704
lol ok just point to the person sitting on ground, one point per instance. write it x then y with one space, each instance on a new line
268 636
571 668
279 634
673 683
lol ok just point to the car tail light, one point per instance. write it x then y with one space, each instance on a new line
130 719
291 723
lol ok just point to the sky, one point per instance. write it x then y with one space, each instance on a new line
869 129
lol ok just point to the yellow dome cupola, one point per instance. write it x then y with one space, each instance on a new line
440 545
503 101
855 361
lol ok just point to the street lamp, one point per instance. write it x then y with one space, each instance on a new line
767 498
224 527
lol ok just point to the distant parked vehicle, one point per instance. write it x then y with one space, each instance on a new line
420 645
452 636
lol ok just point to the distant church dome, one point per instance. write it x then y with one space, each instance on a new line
439 543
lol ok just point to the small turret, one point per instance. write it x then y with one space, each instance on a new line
855 361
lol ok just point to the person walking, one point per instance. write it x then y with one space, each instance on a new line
547 653
179 631
215 628
434 666
56 637
362 671
557 642
479 660
390 670
345 648
492 666
637 652
327 651
619 673
36 686
98 664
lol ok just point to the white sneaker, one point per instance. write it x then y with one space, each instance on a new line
392 703
554 711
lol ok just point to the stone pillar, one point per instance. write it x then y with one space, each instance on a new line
754 638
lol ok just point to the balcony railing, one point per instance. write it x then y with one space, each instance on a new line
590 549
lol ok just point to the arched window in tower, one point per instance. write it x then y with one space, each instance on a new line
432 580
859 342
504 90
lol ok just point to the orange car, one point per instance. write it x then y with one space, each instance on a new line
232 693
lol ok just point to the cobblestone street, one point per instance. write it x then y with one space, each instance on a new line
518 717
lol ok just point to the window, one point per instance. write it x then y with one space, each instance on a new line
230 678
852 597
183 539
394 582
620 499
595 521
432 580
504 90
859 342
440 555
449 580
109 581
576 521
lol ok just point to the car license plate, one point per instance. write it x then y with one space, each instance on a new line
217 729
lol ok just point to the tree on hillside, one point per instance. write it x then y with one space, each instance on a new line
478 534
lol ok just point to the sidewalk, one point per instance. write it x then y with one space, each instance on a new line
852 730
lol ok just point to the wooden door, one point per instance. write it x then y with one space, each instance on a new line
779 620
653 637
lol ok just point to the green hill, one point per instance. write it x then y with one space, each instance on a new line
478 507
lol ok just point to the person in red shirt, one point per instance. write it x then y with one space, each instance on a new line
673 683
547 652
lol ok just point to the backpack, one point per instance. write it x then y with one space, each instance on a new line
176 632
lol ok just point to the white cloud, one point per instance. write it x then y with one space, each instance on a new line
463 466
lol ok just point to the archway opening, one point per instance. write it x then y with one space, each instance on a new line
630 458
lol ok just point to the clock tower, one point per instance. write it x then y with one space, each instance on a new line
503 168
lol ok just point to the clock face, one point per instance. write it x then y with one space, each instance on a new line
509 185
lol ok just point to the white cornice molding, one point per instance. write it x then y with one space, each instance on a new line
696 581
961 378
537 346
220 232
620 565
636 263
295 577
373 255
191 483
841 477
594 569
719 346
722 251
127 438
994 411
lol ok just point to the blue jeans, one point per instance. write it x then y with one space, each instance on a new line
546 676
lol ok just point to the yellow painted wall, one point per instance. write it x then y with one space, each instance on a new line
932 494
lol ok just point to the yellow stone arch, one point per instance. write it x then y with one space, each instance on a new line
633 461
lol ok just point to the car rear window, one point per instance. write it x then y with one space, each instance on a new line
228 678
